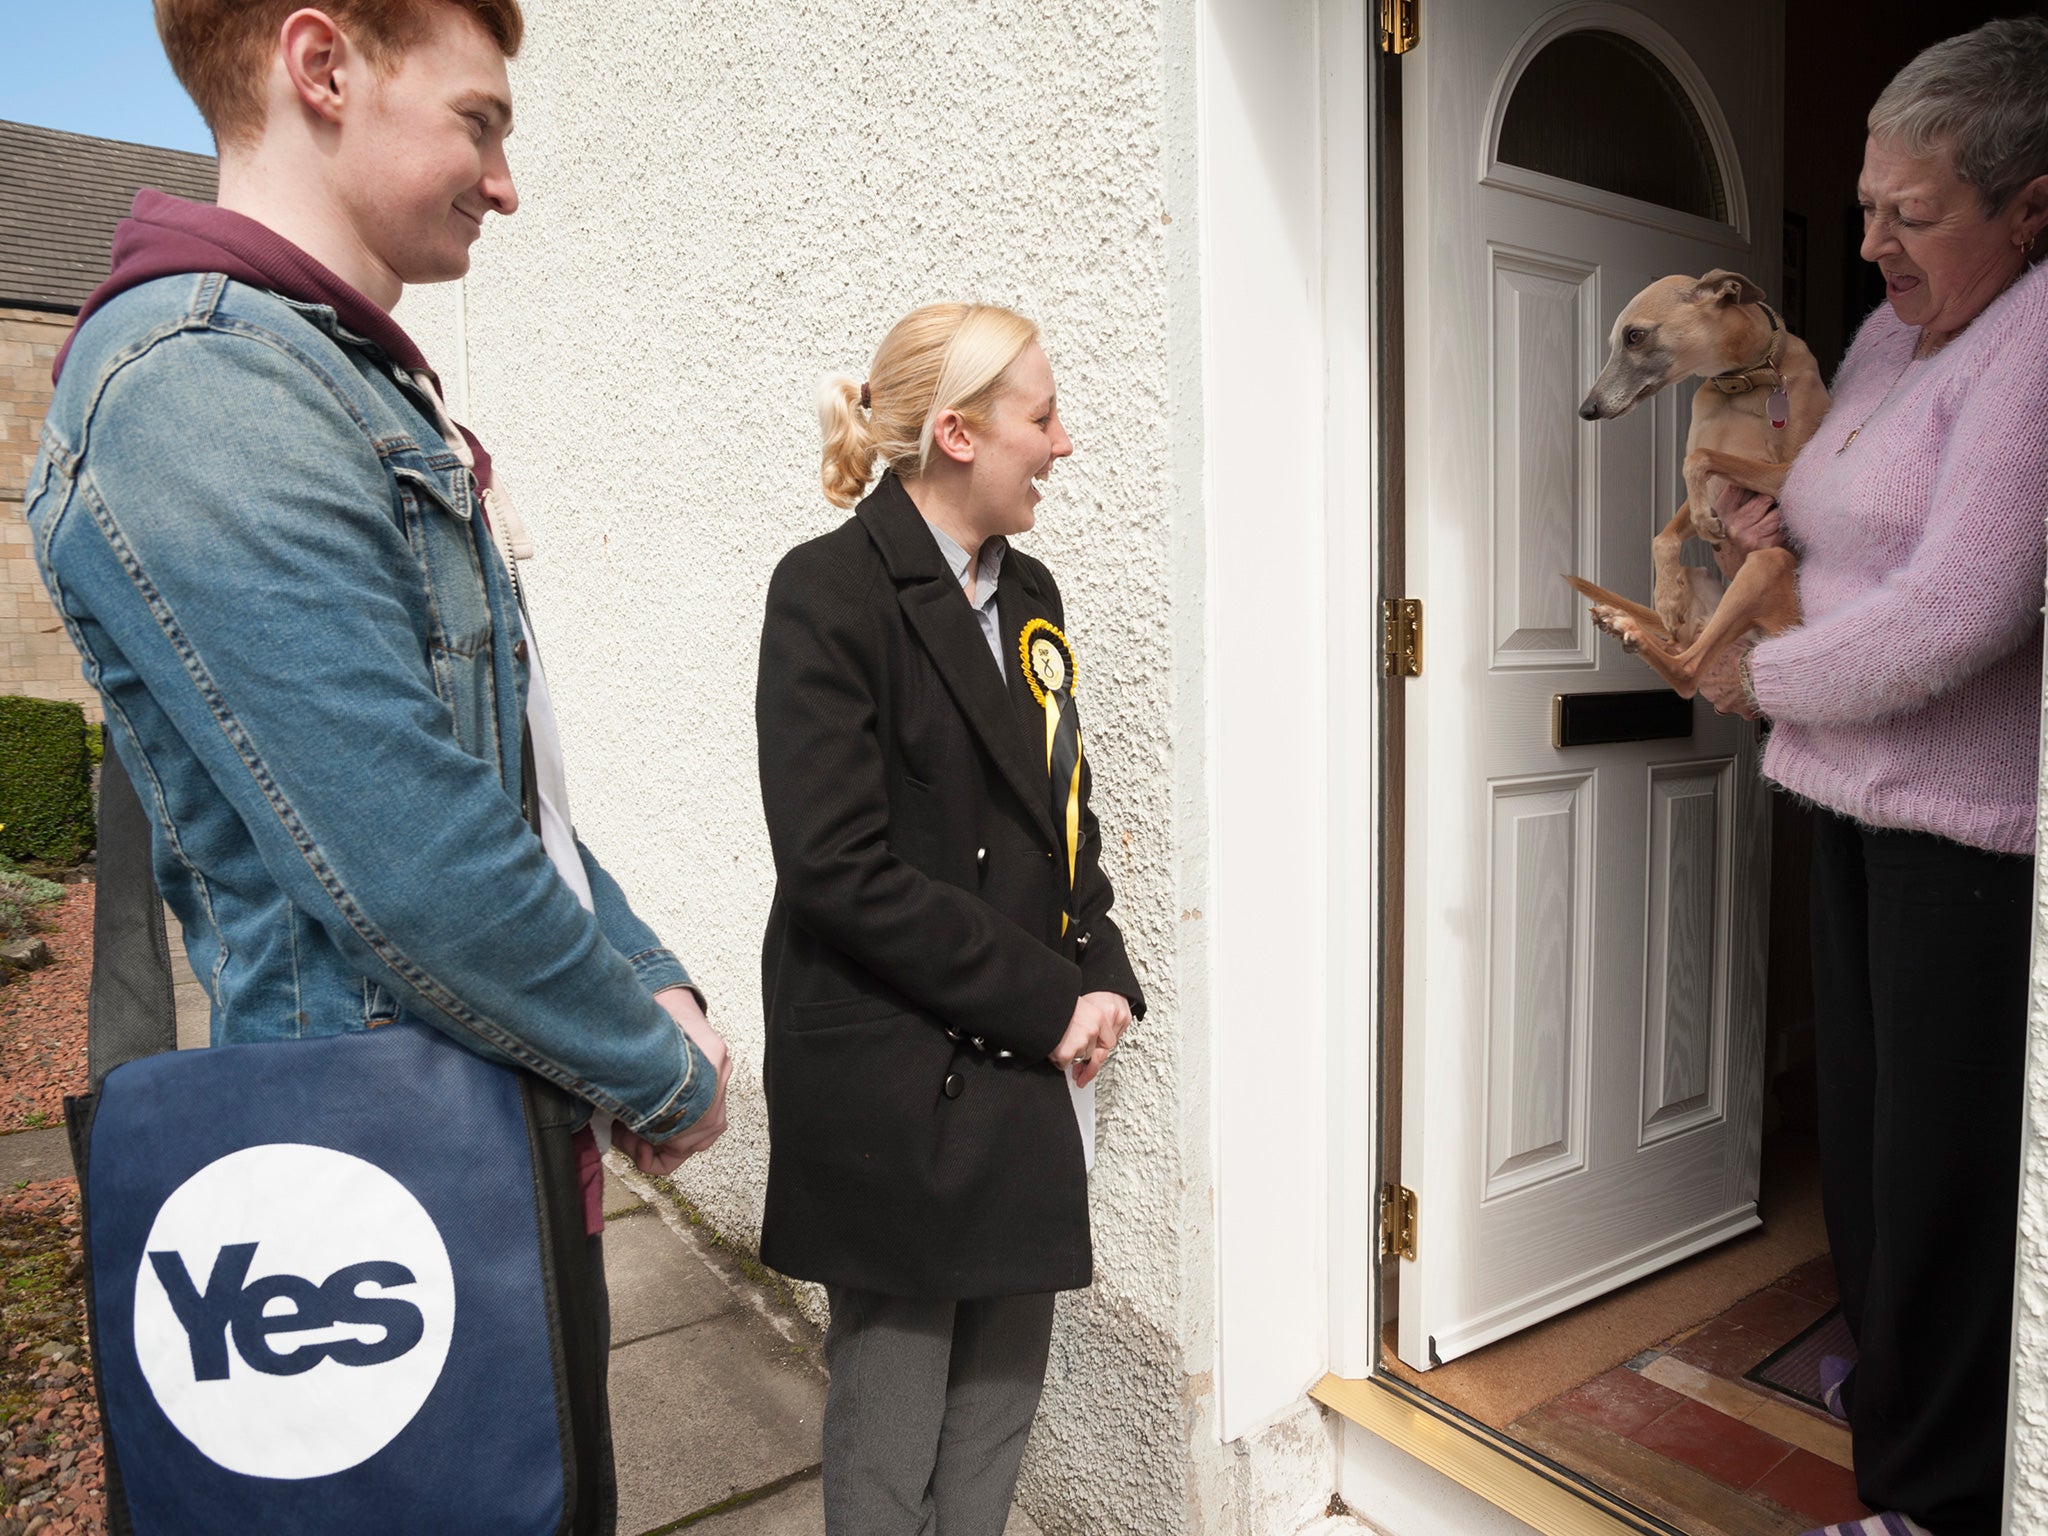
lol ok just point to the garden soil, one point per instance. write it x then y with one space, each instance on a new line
52 1480
42 1019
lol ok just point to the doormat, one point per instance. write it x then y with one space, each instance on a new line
1795 1369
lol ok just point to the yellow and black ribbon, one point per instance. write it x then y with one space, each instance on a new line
1048 661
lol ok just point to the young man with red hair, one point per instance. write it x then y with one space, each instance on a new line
281 563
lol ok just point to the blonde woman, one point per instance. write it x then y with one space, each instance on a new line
941 976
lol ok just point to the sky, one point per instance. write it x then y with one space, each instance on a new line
96 68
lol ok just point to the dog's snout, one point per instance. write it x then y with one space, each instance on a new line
1589 409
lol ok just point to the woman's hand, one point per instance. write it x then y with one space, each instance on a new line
1100 1019
1721 684
1751 518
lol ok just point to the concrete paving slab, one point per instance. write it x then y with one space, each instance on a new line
35 1155
619 1199
799 1510
704 1412
195 1014
655 1282
181 966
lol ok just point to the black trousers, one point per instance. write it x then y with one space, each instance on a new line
1920 959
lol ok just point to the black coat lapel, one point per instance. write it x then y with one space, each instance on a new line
937 609
1018 602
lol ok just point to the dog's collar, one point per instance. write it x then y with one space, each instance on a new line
1743 380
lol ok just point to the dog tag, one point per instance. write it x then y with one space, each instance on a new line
1780 408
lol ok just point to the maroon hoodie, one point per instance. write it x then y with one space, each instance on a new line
166 236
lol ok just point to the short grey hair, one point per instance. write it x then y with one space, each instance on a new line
1982 97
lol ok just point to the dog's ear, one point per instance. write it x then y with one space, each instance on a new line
1719 287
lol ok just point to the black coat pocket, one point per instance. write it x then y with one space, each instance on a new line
834 1012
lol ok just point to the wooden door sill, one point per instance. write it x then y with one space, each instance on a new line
1535 1490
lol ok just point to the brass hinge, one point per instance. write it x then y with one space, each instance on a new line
1397 25
1401 636
1397 1221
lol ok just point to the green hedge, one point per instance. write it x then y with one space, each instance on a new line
45 781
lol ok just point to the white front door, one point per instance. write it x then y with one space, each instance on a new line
1583 1015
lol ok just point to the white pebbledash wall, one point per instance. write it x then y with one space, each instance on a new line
2027 1446
720 204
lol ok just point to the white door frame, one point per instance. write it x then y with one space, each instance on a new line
1355 513
1291 678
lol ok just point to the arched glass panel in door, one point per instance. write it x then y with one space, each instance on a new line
1601 110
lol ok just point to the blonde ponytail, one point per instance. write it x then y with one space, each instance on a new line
849 461
941 357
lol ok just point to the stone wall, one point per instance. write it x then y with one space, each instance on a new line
36 657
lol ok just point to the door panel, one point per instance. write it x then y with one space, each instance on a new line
1536 1057
1543 321
1685 1042
1582 1045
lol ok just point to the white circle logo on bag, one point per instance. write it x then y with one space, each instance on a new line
293 1310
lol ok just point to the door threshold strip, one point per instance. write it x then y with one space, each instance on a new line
1535 1490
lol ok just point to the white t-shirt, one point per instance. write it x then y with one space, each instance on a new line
551 783
557 832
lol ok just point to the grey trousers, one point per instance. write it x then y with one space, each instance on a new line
928 1410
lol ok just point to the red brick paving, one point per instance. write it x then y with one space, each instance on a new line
1815 1280
1813 1487
1732 1452
1621 1400
1726 1449
1726 1348
1780 1314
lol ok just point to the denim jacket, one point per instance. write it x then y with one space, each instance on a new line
276 572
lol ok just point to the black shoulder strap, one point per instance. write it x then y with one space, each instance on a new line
131 1011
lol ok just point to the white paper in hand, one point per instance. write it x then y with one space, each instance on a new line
1084 1113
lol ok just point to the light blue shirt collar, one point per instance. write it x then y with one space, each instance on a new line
986 574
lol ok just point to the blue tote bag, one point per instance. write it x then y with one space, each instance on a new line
327 1278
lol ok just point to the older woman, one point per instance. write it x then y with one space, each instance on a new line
1907 709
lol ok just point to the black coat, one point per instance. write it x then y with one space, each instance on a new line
908 804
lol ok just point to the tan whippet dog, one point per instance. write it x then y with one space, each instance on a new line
1762 400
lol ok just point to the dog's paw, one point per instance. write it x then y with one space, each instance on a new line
1710 528
1622 626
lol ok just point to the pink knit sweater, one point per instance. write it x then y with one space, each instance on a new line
1910 696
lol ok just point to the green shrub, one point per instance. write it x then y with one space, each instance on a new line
21 886
95 742
14 915
45 781
20 895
